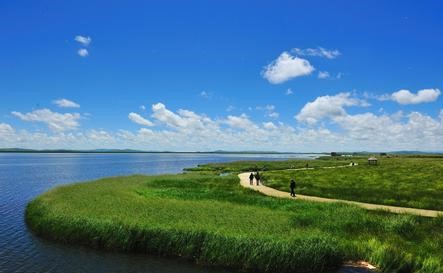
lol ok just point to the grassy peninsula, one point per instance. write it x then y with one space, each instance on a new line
212 220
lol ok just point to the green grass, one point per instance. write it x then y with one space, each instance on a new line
408 182
212 220
250 165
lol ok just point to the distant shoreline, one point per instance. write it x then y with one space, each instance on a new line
143 152
130 151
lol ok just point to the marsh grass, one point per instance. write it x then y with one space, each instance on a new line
212 220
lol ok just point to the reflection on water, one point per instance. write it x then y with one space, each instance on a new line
24 176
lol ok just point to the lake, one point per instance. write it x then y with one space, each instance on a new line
24 176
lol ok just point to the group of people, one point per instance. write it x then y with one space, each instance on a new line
257 178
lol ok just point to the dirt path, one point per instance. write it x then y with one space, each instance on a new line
244 181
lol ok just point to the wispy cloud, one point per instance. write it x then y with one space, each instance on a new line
65 103
136 118
323 75
289 92
230 108
317 52
269 111
205 94
83 40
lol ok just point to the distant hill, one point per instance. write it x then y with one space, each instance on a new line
414 152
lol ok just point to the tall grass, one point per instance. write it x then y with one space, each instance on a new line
212 220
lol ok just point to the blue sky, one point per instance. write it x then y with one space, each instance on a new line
237 75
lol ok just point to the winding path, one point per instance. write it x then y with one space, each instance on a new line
244 181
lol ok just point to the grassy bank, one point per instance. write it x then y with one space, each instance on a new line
409 181
213 220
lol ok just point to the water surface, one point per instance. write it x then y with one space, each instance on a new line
24 176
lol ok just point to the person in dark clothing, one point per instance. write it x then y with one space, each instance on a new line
257 178
292 186
251 179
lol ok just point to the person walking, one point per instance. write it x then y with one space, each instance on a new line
292 186
251 179
257 178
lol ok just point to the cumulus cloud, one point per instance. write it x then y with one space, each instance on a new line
190 131
269 125
64 103
83 40
134 117
183 120
406 97
100 136
286 67
55 121
317 52
327 107
166 116
240 122
6 131
83 52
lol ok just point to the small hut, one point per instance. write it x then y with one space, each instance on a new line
372 161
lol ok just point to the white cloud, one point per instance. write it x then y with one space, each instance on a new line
323 74
142 107
197 132
83 52
6 131
286 67
100 136
406 97
83 40
134 117
269 125
183 120
55 121
269 111
64 103
166 116
317 52
240 122
289 92
327 107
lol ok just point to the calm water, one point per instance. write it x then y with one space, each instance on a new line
24 176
